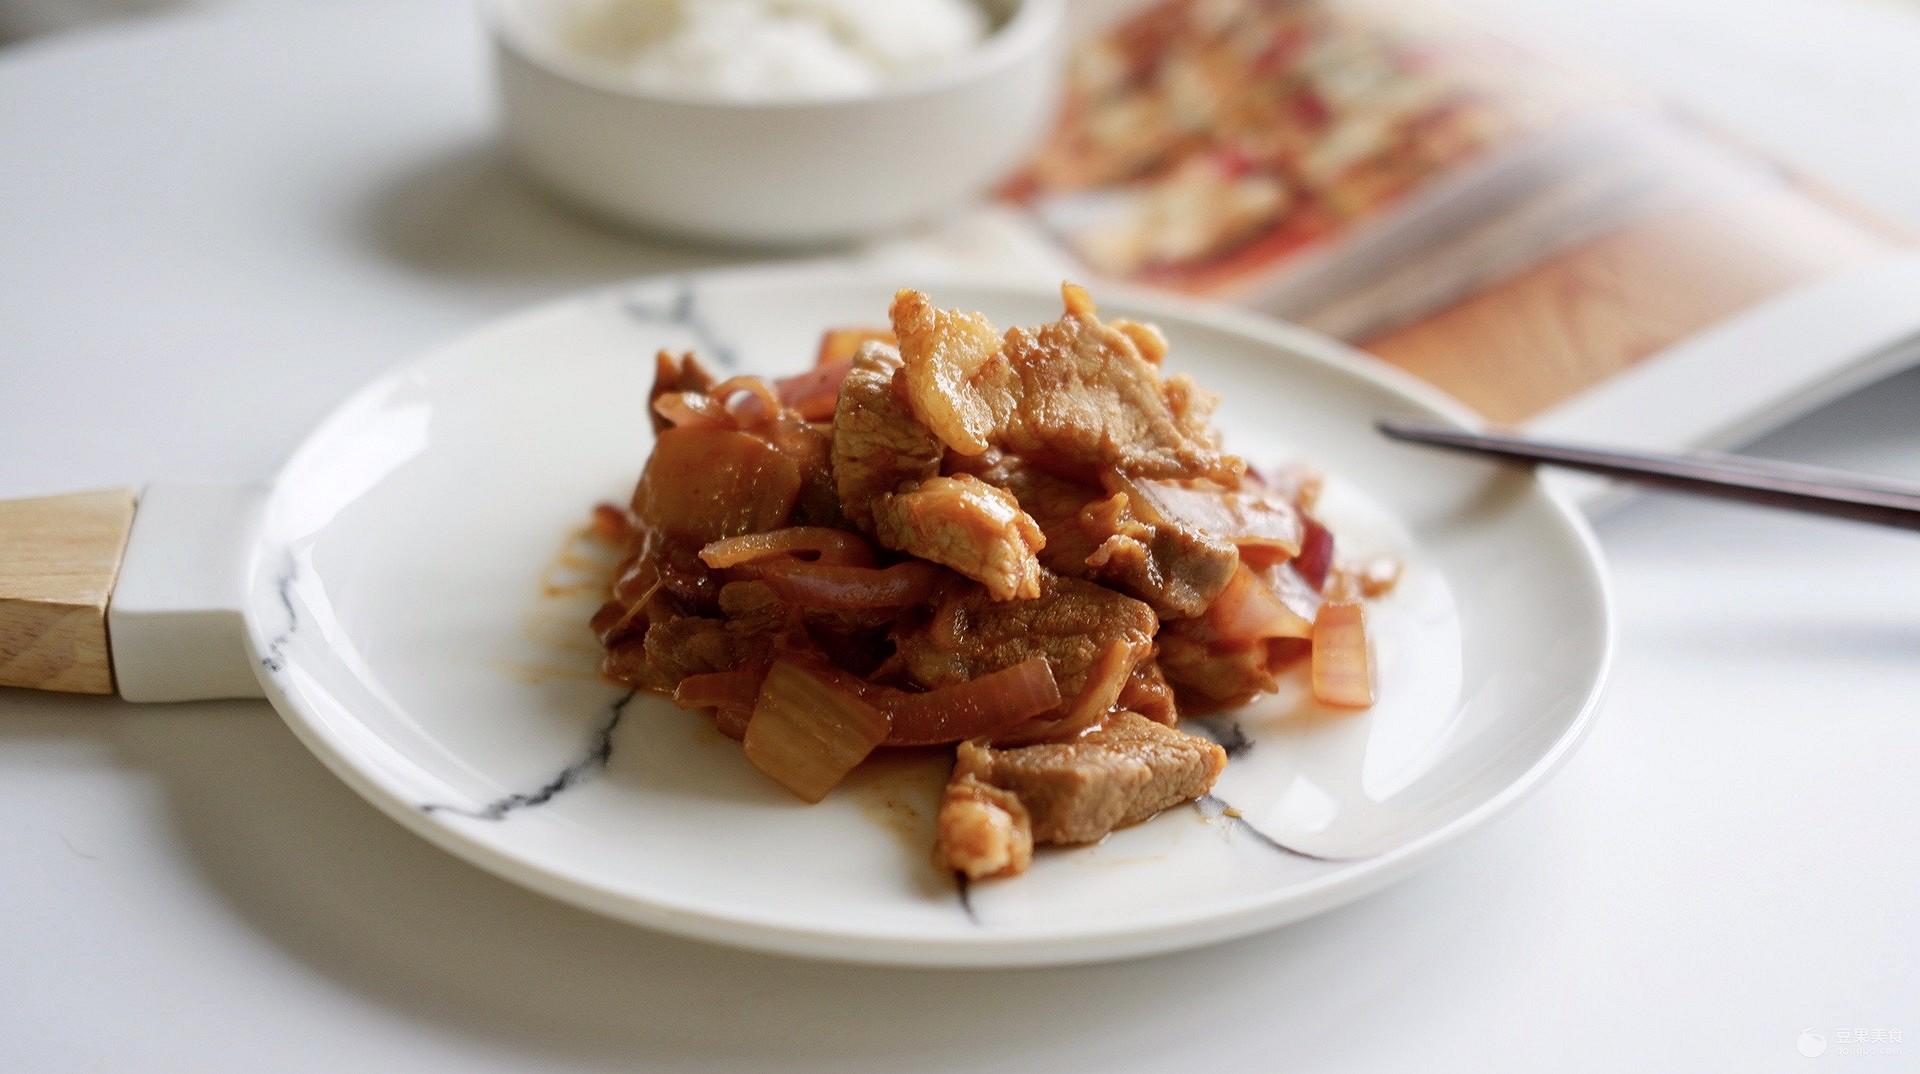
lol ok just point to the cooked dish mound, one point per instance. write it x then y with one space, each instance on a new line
1029 548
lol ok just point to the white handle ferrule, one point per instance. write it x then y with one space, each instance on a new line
175 621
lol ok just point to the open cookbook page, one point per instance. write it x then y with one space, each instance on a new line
1550 247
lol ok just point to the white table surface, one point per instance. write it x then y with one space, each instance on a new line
214 227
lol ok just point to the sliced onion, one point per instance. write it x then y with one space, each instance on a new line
1293 591
730 694
732 719
1250 609
632 591
674 374
1342 670
816 393
703 484
807 733
691 410
828 545
831 587
718 688
1104 682
749 401
1315 558
980 707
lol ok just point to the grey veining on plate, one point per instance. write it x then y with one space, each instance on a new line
1225 732
599 752
1232 738
682 311
1213 807
963 887
274 658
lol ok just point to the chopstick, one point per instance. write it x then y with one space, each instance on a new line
1812 489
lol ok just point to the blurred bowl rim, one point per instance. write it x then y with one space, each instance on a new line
1031 26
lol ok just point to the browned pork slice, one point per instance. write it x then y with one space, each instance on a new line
885 468
944 350
1176 568
878 445
675 647
1071 792
966 524
1054 504
1209 675
1070 623
1076 395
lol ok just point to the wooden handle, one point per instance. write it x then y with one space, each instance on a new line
59 556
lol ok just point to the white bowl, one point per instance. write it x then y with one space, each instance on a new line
780 172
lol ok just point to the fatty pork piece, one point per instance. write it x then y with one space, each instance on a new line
964 523
886 468
1076 395
878 445
1001 802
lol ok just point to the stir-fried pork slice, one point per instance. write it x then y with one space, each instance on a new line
982 831
1208 675
1176 568
1079 790
966 524
1071 623
886 466
1054 503
878 445
1076 394
676 647
943 351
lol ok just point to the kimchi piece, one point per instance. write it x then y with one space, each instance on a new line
1027 548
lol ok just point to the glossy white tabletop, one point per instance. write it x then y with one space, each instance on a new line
215 227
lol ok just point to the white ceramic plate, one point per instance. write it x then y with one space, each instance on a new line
410 605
